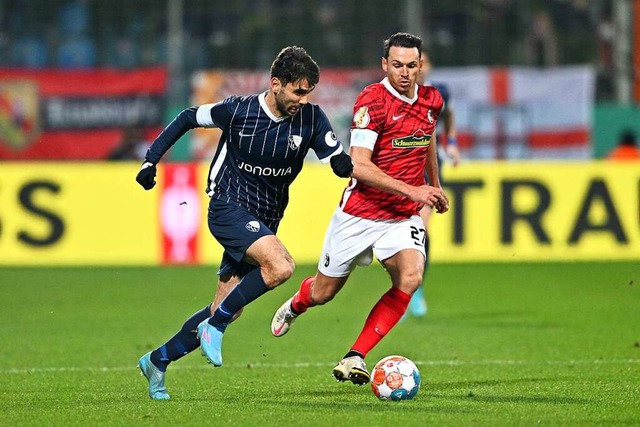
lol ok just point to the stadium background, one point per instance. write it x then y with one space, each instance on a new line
542 90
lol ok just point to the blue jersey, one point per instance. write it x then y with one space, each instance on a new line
259 155
444 91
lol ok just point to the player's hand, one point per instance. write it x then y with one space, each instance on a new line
434 197
442 205
342 165
147 174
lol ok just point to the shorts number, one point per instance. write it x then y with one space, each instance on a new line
418 235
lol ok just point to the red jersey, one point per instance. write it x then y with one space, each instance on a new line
404 129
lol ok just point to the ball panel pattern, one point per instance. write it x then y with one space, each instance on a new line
395 378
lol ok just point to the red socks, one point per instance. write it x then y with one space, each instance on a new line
382 318
302 299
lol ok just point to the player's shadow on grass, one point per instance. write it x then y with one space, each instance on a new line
470 385
496 319
557 400
480 391
336 403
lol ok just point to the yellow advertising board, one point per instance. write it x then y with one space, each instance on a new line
96 214
75 213
540 211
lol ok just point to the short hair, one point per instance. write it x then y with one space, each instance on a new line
628 137
293 64
402 40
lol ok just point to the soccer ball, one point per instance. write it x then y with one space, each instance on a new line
395 378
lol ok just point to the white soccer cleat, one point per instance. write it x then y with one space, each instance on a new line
352 369
283 319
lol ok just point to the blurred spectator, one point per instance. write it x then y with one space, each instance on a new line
124 49
605 40
29 51
541 43
627 148
77 49
77 52
133 146
73 18
125 52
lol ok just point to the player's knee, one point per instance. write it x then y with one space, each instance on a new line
411 281
278 273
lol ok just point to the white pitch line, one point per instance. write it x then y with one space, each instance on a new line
263 365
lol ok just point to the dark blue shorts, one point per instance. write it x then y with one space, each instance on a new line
235 229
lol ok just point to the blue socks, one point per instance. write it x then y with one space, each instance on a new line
182 343
250 288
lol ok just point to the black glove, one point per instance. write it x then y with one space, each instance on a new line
146 176
342 165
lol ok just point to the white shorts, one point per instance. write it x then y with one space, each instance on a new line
351 241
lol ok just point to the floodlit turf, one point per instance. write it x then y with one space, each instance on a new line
503 344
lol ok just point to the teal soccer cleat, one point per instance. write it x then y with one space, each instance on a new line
155 376
210 342
418 304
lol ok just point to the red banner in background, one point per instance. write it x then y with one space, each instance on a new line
76 114
180 213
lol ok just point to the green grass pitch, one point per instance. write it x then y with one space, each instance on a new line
503 344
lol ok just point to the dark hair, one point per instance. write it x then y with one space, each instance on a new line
628 137
401 40
293 64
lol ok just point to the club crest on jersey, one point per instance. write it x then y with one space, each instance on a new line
294 141
253 226
361 119
430 116
331 139
418 139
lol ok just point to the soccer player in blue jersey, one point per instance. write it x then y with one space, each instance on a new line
447 138
264 141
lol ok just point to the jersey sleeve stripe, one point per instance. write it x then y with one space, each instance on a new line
203 115
215 169
338 150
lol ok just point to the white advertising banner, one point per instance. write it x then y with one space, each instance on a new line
501 113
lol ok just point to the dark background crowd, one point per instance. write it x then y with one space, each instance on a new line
243 34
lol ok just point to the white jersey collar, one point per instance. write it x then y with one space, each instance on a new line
263 103
395 93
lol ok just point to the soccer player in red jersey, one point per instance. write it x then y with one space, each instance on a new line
392 144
